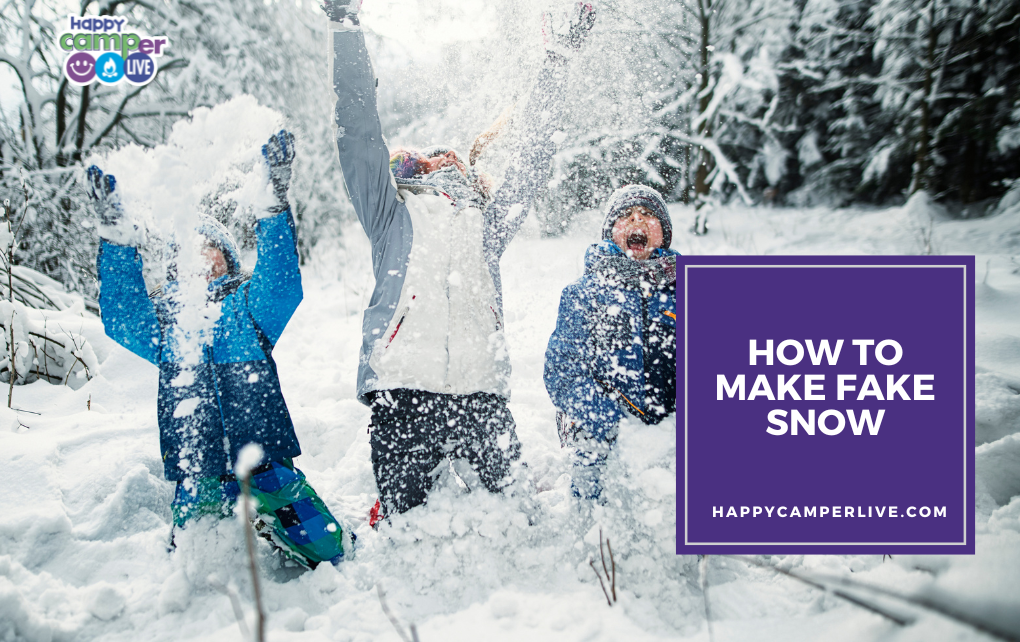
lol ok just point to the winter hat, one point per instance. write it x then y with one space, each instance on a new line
406 163
220 238
630 196
436 150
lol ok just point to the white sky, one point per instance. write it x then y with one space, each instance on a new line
430 23
421 25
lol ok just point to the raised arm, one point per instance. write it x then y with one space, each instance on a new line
568 377
274 290
364 158
528 169
129 316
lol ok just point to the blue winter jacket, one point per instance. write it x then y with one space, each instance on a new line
613 352
233 397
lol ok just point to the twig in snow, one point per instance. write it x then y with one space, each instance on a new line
393 619
74 353
900 619
8 256
703 568
612 562
249 541
591 563
13 350
942 607
235 603
4 368
611 578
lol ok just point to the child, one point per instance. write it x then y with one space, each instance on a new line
613 353
224 393
434 365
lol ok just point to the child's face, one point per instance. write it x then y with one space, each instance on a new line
443 160
638 233
216 264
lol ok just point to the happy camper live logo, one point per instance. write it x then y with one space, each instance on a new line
106 49
825 405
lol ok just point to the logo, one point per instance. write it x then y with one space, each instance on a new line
105 50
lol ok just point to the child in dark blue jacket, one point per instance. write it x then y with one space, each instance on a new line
613 353
218 389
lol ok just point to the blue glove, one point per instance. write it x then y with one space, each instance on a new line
279 155
100 190
567 32
337 10
113 225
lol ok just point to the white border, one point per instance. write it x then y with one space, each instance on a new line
687 503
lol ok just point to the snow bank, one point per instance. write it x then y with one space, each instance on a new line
84 519
639 518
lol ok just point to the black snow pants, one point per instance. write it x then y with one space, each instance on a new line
414 431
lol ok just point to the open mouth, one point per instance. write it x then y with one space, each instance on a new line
637 241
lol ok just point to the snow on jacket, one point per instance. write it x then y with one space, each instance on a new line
209 411
613 352
434 321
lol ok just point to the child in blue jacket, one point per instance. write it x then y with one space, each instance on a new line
214 403
613 353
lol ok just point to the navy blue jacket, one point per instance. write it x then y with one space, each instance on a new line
613 352
233 397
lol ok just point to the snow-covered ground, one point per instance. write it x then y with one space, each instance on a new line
84 510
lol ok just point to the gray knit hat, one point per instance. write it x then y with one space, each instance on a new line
630 196
436 150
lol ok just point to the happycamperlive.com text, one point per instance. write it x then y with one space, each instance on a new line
828 511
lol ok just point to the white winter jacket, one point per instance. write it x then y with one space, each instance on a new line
435 319
447 333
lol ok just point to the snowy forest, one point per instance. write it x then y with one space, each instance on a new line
763 101
767 126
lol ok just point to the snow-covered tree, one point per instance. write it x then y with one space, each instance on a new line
700 87
217 51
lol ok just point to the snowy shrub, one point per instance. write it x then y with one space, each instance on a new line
45 345
38 291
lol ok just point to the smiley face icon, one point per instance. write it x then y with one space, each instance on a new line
80 68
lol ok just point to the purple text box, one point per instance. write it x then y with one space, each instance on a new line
920 460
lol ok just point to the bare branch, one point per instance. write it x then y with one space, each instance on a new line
612 564
591 563
249 542
389 614
235 603
703 571
898 618
603 554
119 112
